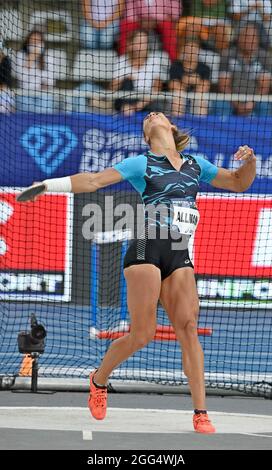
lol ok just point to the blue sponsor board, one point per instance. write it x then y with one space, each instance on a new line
35 147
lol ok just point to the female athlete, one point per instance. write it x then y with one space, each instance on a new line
154 269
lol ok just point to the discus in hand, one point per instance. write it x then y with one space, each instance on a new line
29 194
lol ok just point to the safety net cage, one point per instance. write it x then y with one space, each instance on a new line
77 78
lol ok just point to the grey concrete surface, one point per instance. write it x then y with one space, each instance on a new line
13 438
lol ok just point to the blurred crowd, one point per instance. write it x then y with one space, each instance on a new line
216 46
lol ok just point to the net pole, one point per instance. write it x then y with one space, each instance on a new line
94 282
123 286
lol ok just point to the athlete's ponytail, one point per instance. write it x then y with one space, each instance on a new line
181 139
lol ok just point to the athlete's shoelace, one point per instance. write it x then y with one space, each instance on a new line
202 418
100 398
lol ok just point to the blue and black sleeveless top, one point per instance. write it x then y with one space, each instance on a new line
158 182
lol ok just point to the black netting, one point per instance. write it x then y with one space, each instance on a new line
76 80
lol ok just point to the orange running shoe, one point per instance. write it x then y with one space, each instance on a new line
202 423
97 399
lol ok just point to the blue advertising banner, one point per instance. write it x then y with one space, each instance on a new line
37 146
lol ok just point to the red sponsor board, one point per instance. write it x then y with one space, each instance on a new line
35 241
234 236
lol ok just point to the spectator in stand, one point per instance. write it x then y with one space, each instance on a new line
34 68
253 11
136 71
7 98
209 8
5 69
246 69
210 26
208 23
159 15
100 25
189 74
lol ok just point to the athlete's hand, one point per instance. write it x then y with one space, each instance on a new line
245 153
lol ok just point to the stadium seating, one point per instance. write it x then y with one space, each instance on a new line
59 57
44 103
57 25
263 109
94 65
79 104
163 60
11 25
220 108
89 67
212 60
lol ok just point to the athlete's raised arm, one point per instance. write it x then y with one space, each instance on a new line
241 179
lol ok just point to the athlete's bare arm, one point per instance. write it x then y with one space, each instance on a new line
81 182
238 180
90 182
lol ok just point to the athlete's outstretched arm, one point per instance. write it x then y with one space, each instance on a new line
238 180
90 182
81 182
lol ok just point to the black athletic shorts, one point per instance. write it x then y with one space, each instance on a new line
158 252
